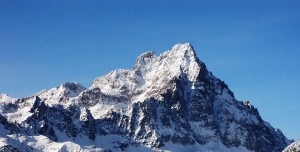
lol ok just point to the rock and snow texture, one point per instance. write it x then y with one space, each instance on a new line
167 102
293 147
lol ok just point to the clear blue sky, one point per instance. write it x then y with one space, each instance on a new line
254 45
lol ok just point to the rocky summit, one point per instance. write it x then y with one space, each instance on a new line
166 102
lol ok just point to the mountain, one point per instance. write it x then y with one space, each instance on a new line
293 147
167 102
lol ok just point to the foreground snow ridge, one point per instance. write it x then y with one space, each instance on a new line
293 147
167 102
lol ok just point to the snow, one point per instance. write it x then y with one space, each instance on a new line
293 147
68 90
109 142
18 115
42 143
4 98
210 147
66 144
83 114
101 109
151 76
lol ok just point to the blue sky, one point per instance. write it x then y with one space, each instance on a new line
254 46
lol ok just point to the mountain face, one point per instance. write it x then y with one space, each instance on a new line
169 102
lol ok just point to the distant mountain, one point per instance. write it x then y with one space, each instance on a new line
169 102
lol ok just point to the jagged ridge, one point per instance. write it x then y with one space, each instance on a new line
163 102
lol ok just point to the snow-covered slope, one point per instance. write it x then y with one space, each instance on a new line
64 94
293 147
167 102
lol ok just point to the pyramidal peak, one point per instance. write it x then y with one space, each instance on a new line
181 59
166 102
152 73
182 50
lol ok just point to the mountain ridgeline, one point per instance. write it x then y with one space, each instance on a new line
169 102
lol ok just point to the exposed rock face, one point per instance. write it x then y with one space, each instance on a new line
9 148
171 99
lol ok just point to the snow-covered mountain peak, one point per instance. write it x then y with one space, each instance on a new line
73 89
5 98
169 102
180 53
183 48
181 59
151 73
61 93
